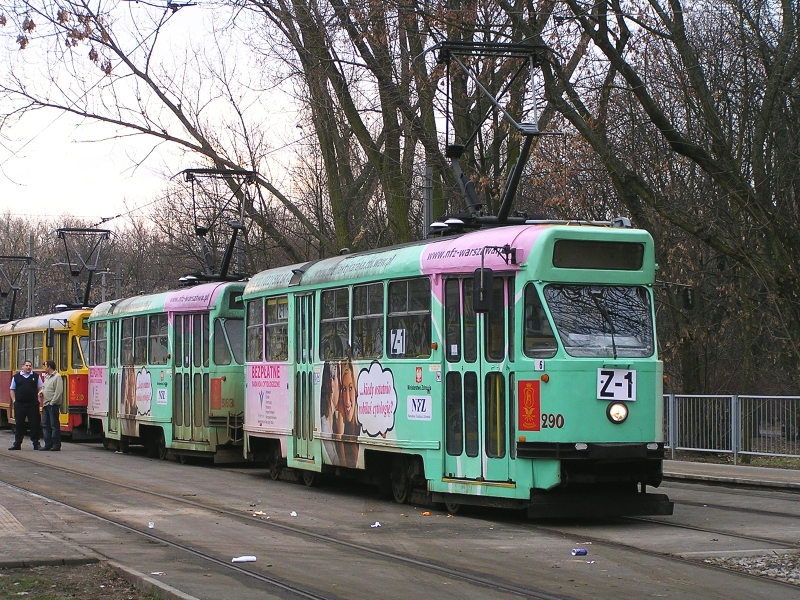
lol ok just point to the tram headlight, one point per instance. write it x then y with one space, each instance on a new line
617 412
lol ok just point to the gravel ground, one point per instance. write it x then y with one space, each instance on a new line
783 567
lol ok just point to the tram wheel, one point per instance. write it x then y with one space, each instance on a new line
452 507
274 463
401 483
309 478
161 446
184 459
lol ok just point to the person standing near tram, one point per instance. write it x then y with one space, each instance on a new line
25 387
53 394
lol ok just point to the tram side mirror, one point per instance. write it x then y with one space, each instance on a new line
50 337
482 288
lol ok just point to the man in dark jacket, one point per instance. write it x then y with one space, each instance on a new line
25 387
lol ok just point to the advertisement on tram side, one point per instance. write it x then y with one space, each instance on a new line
98 391
267 398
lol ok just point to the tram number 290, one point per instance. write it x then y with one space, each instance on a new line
552 420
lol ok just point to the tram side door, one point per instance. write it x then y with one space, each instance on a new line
191 387
477 381
304 376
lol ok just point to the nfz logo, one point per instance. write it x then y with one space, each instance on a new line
419 408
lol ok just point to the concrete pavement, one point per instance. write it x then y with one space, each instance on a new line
25 541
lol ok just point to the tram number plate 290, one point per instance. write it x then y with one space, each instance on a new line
616 384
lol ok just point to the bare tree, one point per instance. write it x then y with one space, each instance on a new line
692 109
111 63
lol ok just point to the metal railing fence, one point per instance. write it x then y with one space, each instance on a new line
736 424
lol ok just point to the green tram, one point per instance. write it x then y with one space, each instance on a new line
512 367
165 371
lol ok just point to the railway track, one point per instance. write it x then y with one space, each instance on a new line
489 583
493 583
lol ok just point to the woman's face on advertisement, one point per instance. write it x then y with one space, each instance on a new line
348 394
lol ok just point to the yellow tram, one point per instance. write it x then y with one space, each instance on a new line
62 337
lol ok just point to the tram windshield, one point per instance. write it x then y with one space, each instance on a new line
234 328
602 321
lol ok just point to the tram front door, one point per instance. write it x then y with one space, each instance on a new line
479 350
191 383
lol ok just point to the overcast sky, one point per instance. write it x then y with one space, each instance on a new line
47 168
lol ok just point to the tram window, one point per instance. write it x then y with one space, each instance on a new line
454 429
92 356
77 355
140 340
368 321
126 343
235 301
206 339
61 351
83 342
187 398
592 254
470 324
471 413
511 296
114 358
22 350
494 324
177 400
28 348
98 343
301 329
158 350
409 320
206 398
197 400
38 346
177 329
187 341
538 338
5 354
235 330
495 416
452 316
102 344
197 337
334 324
255 331
222 354
276 328
602 321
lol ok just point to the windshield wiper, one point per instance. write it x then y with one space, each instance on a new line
595 298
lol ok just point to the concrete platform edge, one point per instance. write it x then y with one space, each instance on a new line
148 584
674 476
26 563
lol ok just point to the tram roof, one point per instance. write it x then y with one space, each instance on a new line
196 298
458 254
54 320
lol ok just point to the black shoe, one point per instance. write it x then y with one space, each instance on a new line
55 449
46 448
15 447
